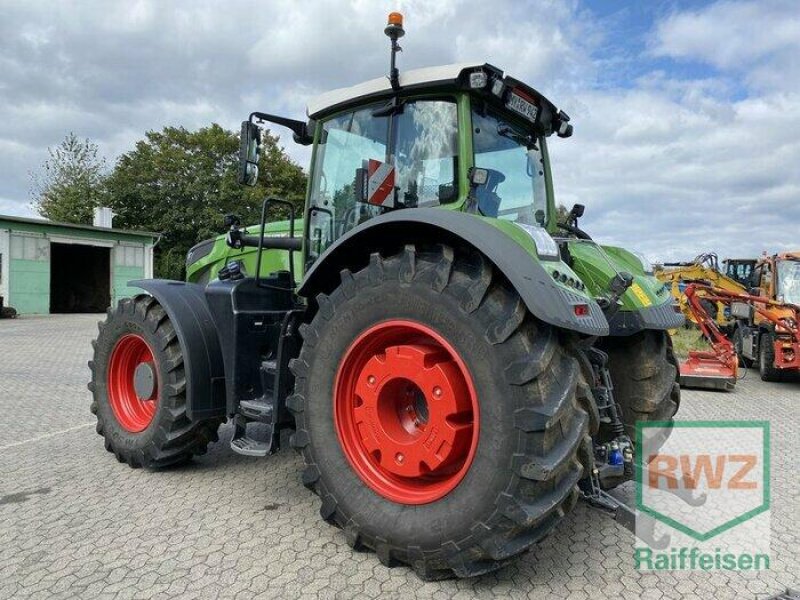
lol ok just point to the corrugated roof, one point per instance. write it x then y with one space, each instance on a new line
31 221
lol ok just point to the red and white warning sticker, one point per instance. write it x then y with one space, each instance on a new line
380 183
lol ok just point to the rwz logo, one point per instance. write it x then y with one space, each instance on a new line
702 478
726 470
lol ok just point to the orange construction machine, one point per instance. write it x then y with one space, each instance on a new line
766 328
776 278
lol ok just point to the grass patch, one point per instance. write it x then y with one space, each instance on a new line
684 340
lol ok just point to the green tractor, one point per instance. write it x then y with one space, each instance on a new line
456 367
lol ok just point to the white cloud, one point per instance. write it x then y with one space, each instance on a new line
760 40
671 165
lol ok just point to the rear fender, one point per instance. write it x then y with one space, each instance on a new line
189 314
545 299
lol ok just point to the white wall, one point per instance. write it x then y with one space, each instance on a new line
5 251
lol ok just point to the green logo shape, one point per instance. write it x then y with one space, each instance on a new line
699 535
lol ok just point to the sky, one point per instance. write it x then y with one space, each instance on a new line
686 114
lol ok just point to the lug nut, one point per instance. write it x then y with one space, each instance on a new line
371 380
399 458
437 392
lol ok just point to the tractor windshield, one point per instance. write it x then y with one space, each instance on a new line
789 281
516 188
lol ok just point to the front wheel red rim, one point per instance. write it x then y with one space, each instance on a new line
134 406
406 412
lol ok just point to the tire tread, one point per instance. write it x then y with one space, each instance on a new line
550 436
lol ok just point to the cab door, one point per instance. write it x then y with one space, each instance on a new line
414 146
766 282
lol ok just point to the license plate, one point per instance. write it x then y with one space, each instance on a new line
522 106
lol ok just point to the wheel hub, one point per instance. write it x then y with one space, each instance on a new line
406 412
144 380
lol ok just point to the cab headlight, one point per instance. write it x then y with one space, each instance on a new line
546 246
647 266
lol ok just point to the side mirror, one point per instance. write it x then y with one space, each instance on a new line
564 129
249 150
620 283
478 176
577 210
231 221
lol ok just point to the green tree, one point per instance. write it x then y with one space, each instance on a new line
181 183
70 184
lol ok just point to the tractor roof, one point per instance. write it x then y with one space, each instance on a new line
417 78
431 79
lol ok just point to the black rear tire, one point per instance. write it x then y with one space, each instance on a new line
766 358
644 372
170 438
535 411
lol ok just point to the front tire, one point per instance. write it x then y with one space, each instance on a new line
644 372
524 412
139 388
766 358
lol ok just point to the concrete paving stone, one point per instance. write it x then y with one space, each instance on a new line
74 523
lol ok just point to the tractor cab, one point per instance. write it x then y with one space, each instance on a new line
777 277
462 137
787 285
740 269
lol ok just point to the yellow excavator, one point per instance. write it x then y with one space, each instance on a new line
705 267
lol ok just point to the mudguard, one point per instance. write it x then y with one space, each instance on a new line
663 317
188 311
543 297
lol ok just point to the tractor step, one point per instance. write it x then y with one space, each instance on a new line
249 447
256 412
270 366
242 443
253 410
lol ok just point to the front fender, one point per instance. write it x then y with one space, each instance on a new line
186 306
545 299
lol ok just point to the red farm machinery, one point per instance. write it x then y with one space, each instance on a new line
766 333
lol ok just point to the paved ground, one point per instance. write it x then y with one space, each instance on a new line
74 523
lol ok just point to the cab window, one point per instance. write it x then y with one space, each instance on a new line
426 153
420 141
516 187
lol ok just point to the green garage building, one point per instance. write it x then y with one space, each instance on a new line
48 267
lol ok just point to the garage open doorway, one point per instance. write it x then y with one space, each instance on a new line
80 278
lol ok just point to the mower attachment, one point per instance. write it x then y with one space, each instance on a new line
705 369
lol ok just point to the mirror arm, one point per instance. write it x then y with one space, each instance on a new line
299 128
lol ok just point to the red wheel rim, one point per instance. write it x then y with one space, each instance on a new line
133 411
406 412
